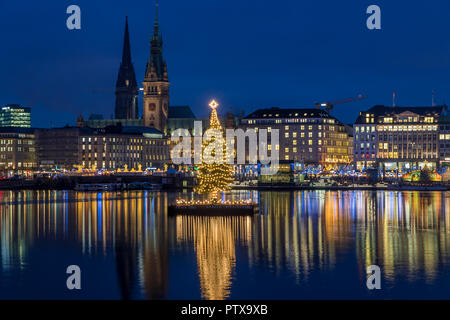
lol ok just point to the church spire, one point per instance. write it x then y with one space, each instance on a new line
126 85
156 25
126 54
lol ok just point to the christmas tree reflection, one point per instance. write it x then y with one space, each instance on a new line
214 241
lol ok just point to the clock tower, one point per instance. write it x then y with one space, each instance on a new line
156 84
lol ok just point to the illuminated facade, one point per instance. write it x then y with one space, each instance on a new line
131 147
17 151
309 136
397 138
110 148
444 141
15 116
365 144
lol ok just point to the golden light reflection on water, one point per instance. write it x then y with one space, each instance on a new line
406 233
214 240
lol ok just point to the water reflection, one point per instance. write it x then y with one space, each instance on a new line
214 240
301 234
131 227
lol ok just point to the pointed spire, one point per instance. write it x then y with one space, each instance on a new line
126 55
156 25
154 68
126 85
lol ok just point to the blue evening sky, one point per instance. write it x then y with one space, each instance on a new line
247 54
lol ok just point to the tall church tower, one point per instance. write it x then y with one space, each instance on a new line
156 84
126 85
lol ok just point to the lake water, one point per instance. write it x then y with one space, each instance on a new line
301 245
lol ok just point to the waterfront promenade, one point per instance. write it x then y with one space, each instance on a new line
174 182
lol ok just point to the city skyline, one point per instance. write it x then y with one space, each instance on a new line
87 85
208 152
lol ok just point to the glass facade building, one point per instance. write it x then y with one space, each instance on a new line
15 116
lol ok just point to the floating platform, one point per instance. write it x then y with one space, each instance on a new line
213 210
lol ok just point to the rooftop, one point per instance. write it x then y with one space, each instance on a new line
112 129
16 130
380 110
384 110
288 113
176 112
15 106
95 116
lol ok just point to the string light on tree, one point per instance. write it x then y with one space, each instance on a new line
214 176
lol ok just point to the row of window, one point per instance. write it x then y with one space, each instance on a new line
397 155
367 129
279 121
19 165
129 155
124 141
19 141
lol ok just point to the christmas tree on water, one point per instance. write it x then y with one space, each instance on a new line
215 174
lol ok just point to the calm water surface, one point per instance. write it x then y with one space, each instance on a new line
302 245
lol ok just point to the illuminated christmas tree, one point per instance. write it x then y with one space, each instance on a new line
214 176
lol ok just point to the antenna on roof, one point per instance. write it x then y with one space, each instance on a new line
393 98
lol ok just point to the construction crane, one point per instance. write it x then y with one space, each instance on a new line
329 105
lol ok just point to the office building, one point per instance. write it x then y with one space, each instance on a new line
17 151
306 136
14 115
397 138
